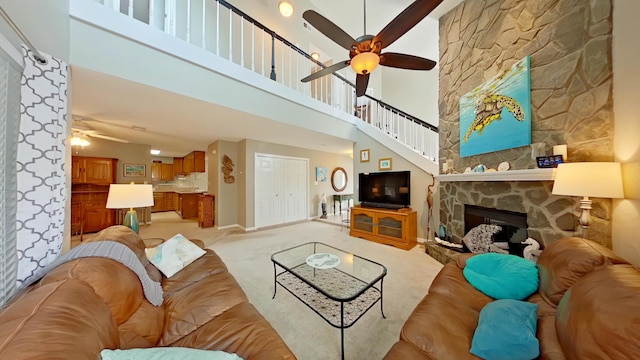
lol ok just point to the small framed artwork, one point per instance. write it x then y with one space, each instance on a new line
321 174
384 164
364 155
135 170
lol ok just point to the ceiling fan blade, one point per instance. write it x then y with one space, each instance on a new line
326 71
329 29
361 84
406 20
109 138
404 61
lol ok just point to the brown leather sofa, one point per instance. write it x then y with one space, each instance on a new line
599 319
90 304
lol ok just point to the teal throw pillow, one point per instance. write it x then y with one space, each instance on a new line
502 276
167 353
507 331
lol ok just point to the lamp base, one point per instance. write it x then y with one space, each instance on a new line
131 221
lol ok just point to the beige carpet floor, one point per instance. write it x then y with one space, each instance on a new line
248 257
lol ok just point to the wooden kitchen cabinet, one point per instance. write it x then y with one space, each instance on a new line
187 205
391 227
166 173
178 166
92 170
88 207
158 202
168 201
156 171
91 177
161 171
193 162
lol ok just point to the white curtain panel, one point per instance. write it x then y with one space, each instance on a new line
40 165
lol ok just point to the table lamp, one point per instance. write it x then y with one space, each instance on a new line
122 196
588 179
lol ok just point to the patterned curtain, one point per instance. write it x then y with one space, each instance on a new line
40 165
9 122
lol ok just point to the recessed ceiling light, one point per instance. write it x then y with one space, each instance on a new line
155 152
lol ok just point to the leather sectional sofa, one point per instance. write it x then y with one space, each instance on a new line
599 317
89 304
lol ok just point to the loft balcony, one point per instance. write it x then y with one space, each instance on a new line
215 36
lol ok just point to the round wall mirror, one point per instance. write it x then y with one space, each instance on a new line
339 179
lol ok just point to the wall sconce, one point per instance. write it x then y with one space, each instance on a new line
595 179
286 8
365 63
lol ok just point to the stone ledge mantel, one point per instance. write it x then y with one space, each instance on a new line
509 175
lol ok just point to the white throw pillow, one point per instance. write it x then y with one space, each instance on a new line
174 255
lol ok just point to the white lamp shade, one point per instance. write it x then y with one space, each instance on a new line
124 196
593 179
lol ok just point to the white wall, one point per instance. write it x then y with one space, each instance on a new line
626 92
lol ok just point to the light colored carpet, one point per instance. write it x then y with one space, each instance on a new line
248 257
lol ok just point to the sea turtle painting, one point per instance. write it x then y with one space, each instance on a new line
497 114
489 108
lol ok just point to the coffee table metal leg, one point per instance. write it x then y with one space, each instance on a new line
342 329
274 282
381 297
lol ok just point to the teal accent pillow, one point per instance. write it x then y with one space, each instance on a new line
502 276
507 331
167 353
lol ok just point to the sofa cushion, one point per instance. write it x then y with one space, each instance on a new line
117 285
442 326
166 353
241 330
59 320
566 261
209 264
507 331
403 350
502 276
190 307
599 317
174 254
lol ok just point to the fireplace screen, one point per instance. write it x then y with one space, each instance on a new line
513 224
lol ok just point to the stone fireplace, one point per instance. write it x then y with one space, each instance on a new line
569 44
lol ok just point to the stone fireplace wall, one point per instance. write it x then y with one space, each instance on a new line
569 42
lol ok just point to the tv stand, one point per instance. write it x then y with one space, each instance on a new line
391 227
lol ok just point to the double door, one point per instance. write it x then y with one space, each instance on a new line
281 189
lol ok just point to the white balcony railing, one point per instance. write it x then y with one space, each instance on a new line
226 31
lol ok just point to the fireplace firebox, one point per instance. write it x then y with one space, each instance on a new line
513 224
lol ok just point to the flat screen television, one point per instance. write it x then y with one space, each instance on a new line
389 189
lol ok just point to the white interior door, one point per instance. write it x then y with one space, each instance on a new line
269 191
281 190
295 190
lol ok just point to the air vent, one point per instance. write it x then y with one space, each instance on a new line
306 25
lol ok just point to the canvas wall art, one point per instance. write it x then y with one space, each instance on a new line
497 115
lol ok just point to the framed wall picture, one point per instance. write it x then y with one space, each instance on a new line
135 170
364 155
321 173
384 164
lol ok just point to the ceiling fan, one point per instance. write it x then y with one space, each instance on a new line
79 129
365 52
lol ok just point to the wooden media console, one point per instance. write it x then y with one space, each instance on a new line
391 227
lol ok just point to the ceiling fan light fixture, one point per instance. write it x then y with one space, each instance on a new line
79 140
285 8
365 63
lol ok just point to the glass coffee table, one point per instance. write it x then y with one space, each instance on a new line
337 285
